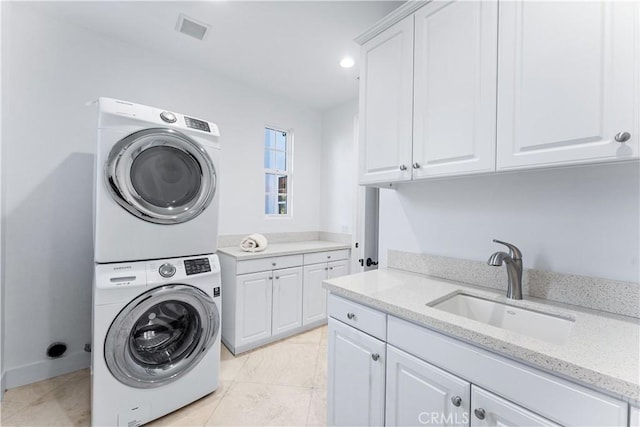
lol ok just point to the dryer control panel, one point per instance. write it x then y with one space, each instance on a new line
196 266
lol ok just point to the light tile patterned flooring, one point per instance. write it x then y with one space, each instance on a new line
280 384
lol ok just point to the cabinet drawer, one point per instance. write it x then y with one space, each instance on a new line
360 317
265 264
318 257
559 400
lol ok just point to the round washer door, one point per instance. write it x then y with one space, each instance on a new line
161 335
161 176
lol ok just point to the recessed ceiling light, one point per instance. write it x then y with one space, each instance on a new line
347 62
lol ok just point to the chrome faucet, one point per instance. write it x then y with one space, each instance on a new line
513 261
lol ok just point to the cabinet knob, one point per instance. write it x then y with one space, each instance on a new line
479 413
277 277
273 263
270 277
375 357
416 165
351 316
325 268
403 167
622 137
456 400
330 268
328 256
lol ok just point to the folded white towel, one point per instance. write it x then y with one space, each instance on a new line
254 243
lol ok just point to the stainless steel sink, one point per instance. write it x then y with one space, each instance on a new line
536 324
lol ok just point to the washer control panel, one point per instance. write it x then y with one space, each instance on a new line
167 270
197 124
196 266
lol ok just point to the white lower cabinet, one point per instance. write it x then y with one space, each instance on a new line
269 303
287 300
492 410
314 304
269 298
419 393
634 416
432 379
254 306
356 377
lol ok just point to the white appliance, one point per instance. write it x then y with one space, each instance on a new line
156 337
155 184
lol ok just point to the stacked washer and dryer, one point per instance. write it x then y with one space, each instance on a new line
156 294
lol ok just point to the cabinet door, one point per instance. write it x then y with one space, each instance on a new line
456 48
567 82
491 410
355 380
253 318
386 87
287 299
634 416
314 296
338 268
419 393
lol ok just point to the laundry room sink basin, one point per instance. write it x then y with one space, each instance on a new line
536 324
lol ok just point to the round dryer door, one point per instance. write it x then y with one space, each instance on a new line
161 335
161 176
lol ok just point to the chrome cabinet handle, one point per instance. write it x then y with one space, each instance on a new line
403 167
479 413
416 165
351 316
456 400
375 357
622 137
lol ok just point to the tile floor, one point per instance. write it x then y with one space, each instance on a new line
280 384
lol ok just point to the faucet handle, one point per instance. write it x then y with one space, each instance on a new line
514 252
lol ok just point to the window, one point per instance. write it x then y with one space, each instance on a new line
277 168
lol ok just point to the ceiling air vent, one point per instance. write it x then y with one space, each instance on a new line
191 27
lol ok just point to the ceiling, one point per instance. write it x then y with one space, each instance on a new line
287 48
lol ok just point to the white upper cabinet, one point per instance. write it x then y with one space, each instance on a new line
454 116
462 87
567 82
386 98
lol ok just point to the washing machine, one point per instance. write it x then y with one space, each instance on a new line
156 337
155 184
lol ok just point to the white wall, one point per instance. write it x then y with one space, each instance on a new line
339 173
582 220
51 70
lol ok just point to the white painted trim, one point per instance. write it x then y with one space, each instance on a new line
395 16
2 376
44 369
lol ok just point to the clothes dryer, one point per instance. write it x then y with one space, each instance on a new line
156 337
155 184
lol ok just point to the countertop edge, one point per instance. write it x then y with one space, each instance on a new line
615 387
292 248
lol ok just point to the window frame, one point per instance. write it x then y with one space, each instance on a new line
288 172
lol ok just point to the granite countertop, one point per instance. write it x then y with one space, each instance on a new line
279 249
602 351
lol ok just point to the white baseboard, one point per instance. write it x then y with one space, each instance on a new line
44 369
